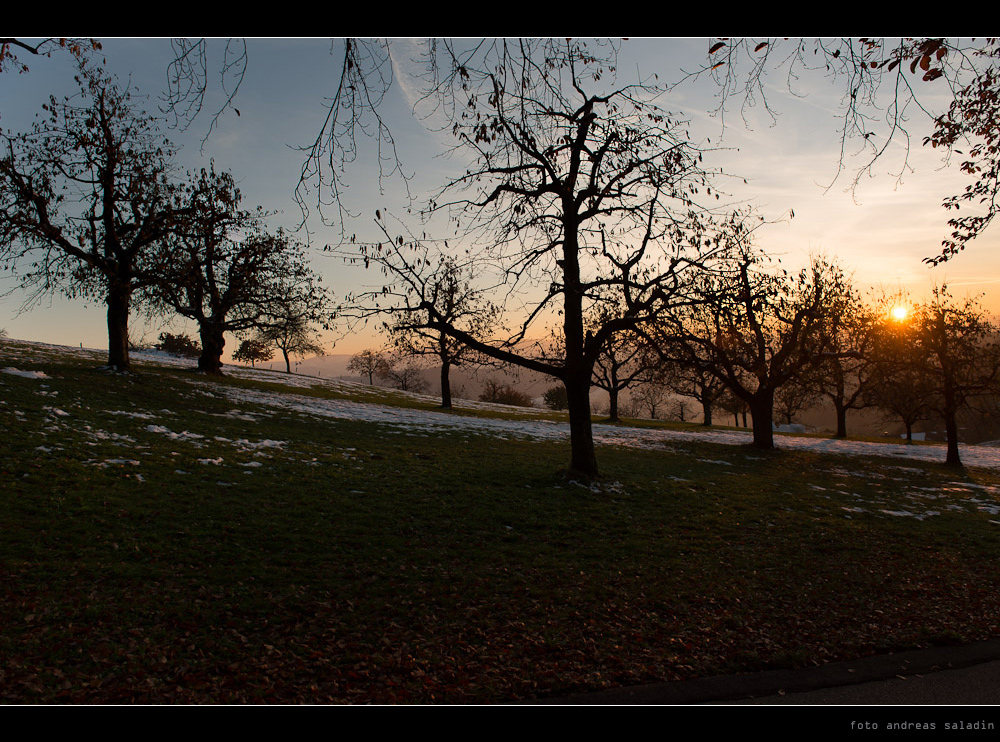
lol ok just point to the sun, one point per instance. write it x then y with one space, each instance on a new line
900 313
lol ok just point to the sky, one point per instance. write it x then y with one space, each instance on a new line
879 231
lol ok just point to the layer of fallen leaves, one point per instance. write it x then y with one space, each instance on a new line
172 642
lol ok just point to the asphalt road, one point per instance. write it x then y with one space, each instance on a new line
960 675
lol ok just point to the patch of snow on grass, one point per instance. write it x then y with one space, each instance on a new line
423 422
244 445
26 374
185 435
137 415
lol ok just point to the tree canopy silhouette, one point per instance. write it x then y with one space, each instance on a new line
578 191
222 268
85 195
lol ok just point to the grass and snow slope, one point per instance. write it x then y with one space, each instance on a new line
169 537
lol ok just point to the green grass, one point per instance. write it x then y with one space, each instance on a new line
354 564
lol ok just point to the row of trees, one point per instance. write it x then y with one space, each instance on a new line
91 205
580 200
406 372
780 343
752 338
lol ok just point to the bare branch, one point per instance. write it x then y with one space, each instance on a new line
187 81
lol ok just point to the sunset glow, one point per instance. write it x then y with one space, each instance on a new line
900 313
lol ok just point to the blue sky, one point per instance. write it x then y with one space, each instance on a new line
881 231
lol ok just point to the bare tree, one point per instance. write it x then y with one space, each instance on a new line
845 375
958 350
680 408
693 379
651 396
575 196
624 361
402 372
84 197
685 367
621 364
767 328
366 363
729 402
460 303
292 333
793 397
222 269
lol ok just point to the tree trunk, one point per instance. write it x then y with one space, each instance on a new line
613 405
762 411
951 431
288 361
578 372
213 342
118 311
841 420
613 389
706 412
583 460
445 385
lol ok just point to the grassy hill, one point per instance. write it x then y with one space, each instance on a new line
169 537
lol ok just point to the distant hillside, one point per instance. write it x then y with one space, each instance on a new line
464 384
469 384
